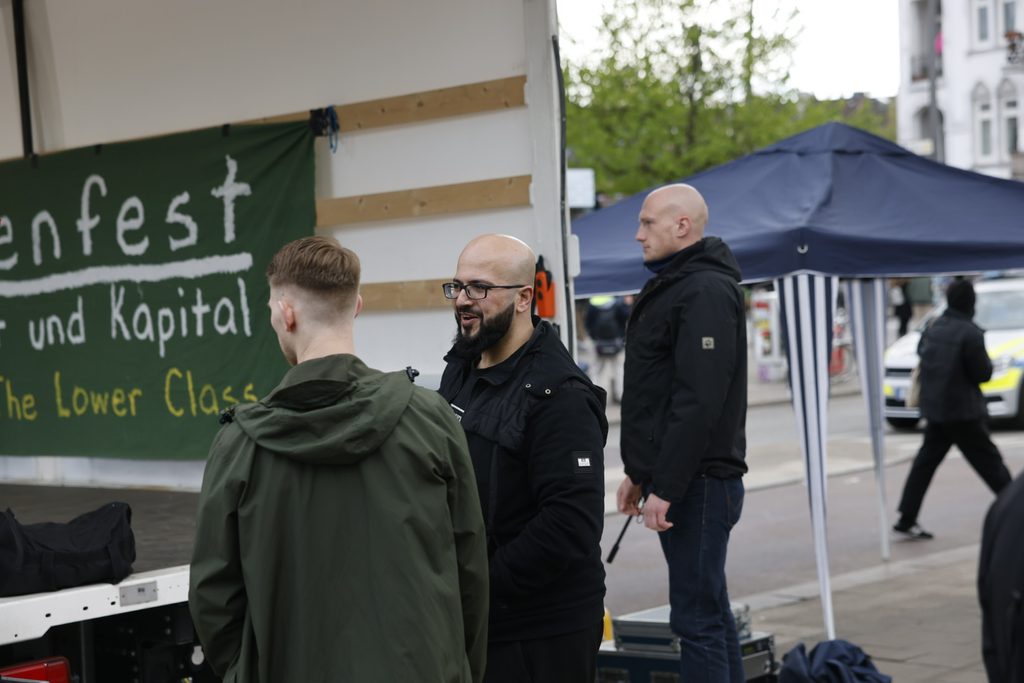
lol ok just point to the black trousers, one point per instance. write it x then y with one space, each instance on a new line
972 438
569 658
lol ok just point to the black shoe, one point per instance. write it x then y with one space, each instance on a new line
914 532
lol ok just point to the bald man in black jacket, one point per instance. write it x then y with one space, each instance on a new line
684 408
536 430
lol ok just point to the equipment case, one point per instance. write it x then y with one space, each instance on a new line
646 651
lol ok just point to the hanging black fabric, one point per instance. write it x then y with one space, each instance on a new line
95 547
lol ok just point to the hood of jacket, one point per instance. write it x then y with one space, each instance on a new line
711 253
330 410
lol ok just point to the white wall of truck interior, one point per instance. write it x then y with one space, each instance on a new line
113 70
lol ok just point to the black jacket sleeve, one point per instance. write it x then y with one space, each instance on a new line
704 338
564 442
1000 579
977 363
988 646
470 549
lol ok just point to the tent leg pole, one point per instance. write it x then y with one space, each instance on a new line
883 514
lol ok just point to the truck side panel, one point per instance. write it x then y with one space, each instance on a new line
115 70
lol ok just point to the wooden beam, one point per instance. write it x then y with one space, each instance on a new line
283 118
481 195
403 296
459 100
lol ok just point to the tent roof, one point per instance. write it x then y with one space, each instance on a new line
834 199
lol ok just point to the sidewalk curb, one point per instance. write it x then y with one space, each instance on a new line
879 573
615 476
781 396
850 388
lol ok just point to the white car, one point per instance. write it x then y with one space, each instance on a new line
999 311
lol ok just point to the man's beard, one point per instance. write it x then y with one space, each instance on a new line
490 332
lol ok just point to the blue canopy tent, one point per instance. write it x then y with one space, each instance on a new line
835 200
831 202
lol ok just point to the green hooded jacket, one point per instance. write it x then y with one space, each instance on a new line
339 535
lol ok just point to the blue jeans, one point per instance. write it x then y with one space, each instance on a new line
695 550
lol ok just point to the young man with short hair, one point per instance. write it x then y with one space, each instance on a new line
339 534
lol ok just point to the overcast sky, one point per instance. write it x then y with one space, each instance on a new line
845 47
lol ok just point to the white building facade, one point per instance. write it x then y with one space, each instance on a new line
979 89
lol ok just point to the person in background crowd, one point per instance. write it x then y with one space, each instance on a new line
902 308
606 325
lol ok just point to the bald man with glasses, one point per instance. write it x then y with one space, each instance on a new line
536 431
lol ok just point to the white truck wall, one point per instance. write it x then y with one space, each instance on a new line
109 70
112 70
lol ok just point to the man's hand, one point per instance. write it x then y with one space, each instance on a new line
655 510
628 497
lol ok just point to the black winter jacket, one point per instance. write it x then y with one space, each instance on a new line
1001 586
536 430
953 363
684 402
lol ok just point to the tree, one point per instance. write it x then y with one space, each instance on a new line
682 85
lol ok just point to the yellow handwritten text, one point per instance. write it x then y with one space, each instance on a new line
80 401
17 407
184 395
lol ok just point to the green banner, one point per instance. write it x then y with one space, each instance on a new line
133 305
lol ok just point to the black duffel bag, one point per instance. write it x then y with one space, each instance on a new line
95 547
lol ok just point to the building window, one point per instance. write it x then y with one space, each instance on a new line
925 142
1009 15
1008 113
984 130
985 15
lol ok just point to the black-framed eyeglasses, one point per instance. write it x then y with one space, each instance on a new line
473 290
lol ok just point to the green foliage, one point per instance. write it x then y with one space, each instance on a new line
683 85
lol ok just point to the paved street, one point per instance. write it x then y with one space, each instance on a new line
771 548
773 453
916 614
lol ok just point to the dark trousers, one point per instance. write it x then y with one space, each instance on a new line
903 314
569 658
695 549
972 438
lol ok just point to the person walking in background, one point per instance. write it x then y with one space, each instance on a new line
953 362
536 429
339 534
683 421
605 323
902 308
